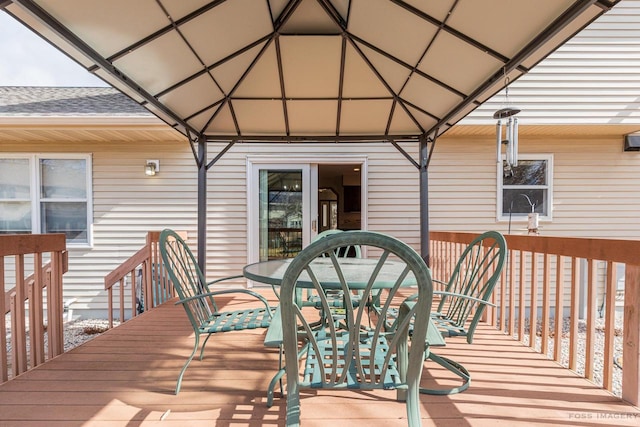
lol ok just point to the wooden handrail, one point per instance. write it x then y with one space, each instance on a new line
539 266
29 291
46 273
154 288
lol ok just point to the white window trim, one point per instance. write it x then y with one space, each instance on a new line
35 182
499 173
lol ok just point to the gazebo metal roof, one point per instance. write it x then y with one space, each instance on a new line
308 70
301 70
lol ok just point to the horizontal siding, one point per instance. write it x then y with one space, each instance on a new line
592 79
392 199
127 204
596 194
596 187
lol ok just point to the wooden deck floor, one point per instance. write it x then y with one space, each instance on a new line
126 377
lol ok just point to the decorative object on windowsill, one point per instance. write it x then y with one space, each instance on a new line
152 167
508 134
532 217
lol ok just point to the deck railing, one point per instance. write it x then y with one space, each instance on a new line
24 304
143 277
548 279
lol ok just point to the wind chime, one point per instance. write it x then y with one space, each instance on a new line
507 133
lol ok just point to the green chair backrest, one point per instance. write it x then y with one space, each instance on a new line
186 276
356 353
345 251
475 274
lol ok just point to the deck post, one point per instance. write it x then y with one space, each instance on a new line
631 343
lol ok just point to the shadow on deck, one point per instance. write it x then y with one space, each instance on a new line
126 377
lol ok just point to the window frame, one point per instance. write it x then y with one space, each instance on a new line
36 199
501 216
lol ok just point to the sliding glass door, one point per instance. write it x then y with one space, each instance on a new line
281 212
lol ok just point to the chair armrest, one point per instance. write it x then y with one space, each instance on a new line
229 291
453 294
213 282
273 337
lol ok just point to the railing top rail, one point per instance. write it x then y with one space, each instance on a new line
623 251
127 266
22 244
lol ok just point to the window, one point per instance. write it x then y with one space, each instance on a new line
46 194
526 188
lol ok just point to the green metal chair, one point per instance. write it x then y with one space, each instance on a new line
198 300
466 297
336 302
470 286
364 355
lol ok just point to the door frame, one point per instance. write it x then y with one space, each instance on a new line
255 162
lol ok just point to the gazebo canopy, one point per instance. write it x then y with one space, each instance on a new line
308 70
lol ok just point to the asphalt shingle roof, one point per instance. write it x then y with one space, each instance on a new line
37 101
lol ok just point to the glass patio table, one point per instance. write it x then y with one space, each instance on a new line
357 272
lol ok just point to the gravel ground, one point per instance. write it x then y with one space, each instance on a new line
80 331
598 345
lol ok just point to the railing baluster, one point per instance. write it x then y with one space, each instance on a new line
610 324
573 327
533 307
512 294
559 309
590 332
18 327
55 306
4 375
503 300
110 305
36 315
121 300
631 349
522 295
546 297
134 284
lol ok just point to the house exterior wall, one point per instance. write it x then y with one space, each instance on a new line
595 194
127 204
593 80
596 186
392 183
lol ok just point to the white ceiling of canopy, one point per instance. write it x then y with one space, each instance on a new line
278 70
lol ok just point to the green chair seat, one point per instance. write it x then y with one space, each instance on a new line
199 302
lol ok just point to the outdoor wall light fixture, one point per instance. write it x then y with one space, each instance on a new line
152 167
507 134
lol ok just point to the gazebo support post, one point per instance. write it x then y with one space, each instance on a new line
202 203
424 200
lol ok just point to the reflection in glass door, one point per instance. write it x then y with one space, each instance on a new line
280 213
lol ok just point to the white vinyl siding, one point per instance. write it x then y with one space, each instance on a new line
127 203
596 186
393 199
594 78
